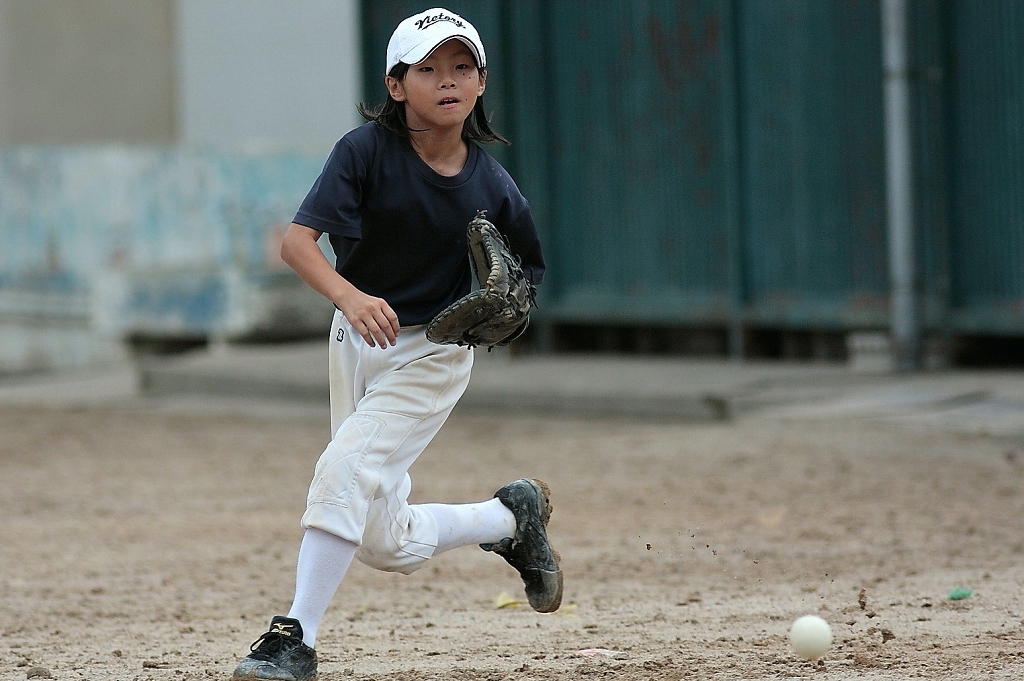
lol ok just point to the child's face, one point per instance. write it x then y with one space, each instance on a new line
441 91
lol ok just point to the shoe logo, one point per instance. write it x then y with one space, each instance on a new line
281 628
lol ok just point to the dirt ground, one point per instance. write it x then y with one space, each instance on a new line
142 544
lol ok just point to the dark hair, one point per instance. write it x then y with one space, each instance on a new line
391 115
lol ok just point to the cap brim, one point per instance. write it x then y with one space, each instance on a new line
427 47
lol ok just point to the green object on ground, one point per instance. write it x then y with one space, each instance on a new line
959 594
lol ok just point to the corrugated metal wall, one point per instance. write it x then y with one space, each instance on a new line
987 165
638 172
812 163
722 161
930 54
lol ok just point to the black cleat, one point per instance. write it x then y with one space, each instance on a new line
529 551
279 654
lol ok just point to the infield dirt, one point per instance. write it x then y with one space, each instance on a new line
141 544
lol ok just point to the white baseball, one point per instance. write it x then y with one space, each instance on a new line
810 637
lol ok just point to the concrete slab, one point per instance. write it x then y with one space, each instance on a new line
293 371
290 380
660 388
638 387
114 384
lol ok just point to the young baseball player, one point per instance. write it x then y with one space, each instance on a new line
395 198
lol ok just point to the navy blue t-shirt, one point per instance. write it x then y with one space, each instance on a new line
398 228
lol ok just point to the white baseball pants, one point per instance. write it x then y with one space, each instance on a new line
386 407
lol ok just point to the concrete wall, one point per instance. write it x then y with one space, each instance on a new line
268 73
151 154
218 72
6 89
100 243
89 71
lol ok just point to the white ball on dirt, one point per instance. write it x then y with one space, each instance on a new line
810 637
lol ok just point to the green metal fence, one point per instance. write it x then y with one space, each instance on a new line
987 166
810 113
637 173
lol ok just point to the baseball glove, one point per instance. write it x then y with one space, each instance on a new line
498 311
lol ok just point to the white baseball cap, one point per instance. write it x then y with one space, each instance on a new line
419 35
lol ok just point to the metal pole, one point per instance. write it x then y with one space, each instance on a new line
904 318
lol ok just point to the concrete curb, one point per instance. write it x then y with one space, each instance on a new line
292 379
594 386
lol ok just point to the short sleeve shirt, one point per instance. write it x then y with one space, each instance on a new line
398 228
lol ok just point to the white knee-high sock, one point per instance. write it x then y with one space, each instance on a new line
323 561
465 524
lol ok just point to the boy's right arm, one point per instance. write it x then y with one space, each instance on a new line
371 317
